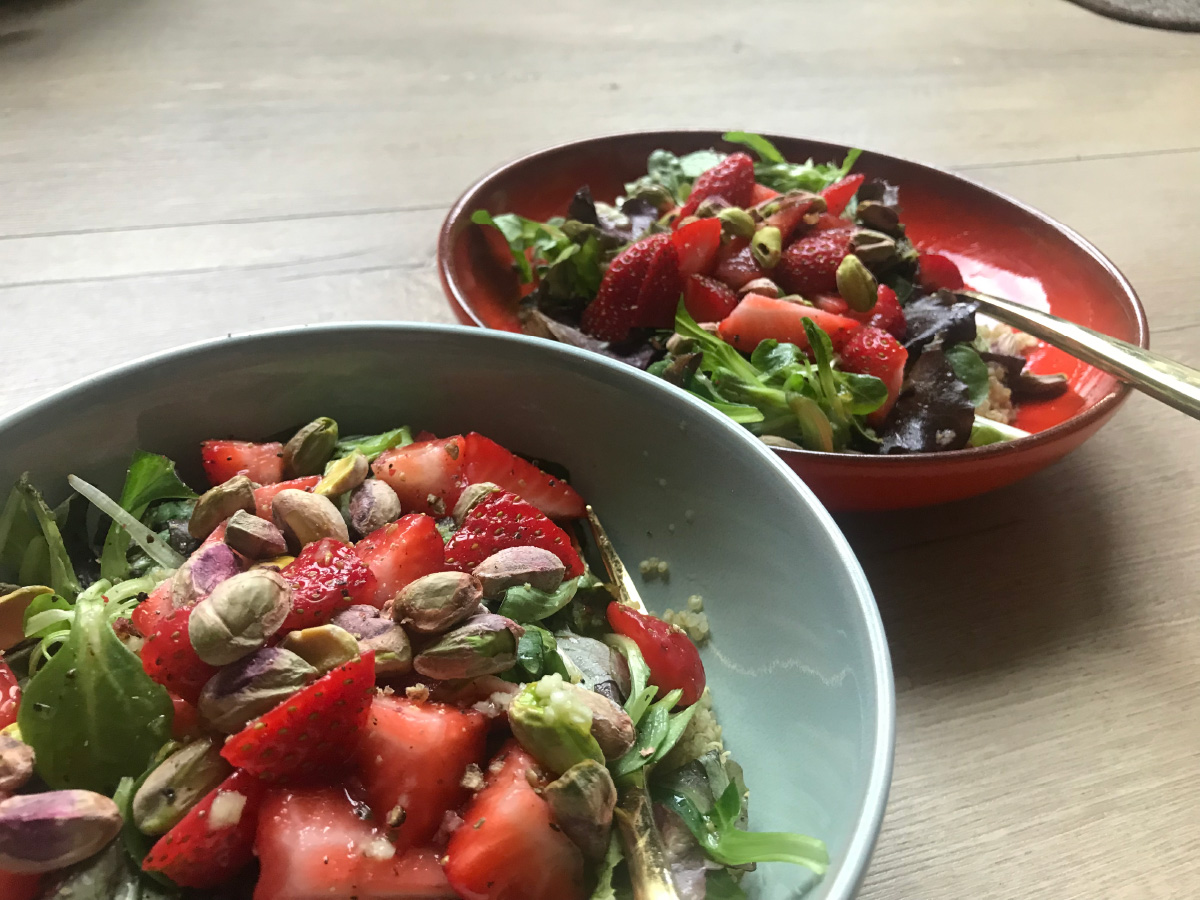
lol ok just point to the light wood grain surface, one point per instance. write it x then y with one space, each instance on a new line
177 170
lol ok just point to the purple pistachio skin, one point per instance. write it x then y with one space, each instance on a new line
43 832
201 573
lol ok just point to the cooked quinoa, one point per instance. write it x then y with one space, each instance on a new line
692 621
703 733
654 567
998 405
1000 338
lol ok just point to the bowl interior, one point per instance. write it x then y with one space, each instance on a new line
1000 245
798 664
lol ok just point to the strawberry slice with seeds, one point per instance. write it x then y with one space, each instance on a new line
708 300
839 194
732 179
697 244
760 193
658 297
169 658
758 318
326 578
264 497
808 265
872 351
312 732
215 840
147 616
427 476
736 265
398 553
488 461
614 311
505 520
224 459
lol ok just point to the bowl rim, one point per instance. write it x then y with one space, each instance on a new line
867 826
1105 407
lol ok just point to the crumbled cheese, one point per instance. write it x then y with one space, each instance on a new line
379 848
417 693
226 810
944 437
472 778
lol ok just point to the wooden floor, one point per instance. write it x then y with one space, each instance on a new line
171 171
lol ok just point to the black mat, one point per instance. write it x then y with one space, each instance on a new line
1175 15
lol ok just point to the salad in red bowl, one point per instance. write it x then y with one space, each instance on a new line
785 294
371 667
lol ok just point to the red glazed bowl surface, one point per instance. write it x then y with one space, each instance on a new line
1001 246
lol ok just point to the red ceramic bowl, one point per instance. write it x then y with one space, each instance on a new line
1001 246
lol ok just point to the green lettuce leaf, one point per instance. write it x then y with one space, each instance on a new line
538 655
657 732
371 445
524 604
774 171
53 566
150 478
970 369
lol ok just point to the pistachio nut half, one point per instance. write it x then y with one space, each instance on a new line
551 719
582 800
764 287
767 246
324 647
304 518
252 686
219 503
393 652
201 572
436 602
239 615
44 832
472 496
880 217
373 505
736 222
310 448
484 645
177 784
343 475
874 248
856 284
16 764
254 537
534 566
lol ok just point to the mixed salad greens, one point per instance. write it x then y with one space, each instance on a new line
787 295
372 667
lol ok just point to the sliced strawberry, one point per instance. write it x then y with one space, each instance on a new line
887 313
185 723
708 300
697 244
426 476
732 179
224 459
833 303
505 520
790 216
615 310
264 496
413 757
673 659
148 615
760 193
758 318
510 847
736 264
936 272
839 194
169 658
208 847
10 695
400 552
326 578
314 844
872 351
658 297
808 265
313 731
488 461
827 222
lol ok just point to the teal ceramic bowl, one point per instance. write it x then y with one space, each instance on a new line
798 663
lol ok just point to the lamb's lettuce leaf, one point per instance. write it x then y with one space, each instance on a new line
150 478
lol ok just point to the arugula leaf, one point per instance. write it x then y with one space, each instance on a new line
971 371
774 171
91 713
371 445
60 574
150 478
524 604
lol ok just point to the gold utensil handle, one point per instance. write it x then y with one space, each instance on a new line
1163 379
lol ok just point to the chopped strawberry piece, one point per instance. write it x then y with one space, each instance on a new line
708 300
673 659
148 615
326 578
839 194
17 886
872 351
488 461
413 757
314 843
616 307
827 222
833 303
312 732
224 459
732 179
264 496
736 265
169 658
401 552
185 723
936 272
510 847
887 313
697 244
789 217
426 476
658 297
760 193
505 520
10 695
758 318
215 840
808 265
